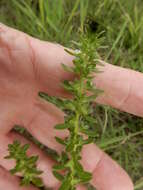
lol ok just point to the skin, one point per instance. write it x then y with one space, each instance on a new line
27 66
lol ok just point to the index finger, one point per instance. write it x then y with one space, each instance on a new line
123 88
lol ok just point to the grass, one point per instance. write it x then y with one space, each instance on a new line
122 22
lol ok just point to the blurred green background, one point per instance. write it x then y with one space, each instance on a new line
121 134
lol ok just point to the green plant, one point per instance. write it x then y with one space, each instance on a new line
79 120
26 165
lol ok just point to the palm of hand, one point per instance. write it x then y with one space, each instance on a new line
27 67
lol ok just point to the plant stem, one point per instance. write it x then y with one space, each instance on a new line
76 131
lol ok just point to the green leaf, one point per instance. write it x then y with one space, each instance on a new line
90 119
89 132
65 184
13 171
64 157
67 68
19 129
69 104
67 85
25 147
38 182
91 98
69 147
88 141
84 176
25 182
61 141
59 102
69 164
33 159
58 176
58 167
78 166
71 52
61 126
52 99
16 143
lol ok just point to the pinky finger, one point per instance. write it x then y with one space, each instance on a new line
10 182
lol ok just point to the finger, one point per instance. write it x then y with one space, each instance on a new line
44 163
10 182
122 90
107 174
122 87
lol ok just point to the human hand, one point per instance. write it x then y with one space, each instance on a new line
28 66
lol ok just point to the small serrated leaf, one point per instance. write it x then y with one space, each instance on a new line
52 99
25 147
58 176
61 126
67 85
90 119
71 52
69 147
89 132
84 176
64 157
88 141
38 182
67 68
13 171
58 167
65 184
78 166
61 141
